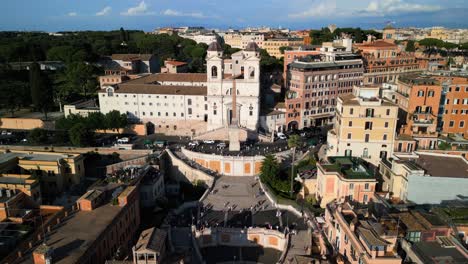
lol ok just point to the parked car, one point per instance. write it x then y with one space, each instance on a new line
281 135
123 140
221 145
4 132
209 141
193 143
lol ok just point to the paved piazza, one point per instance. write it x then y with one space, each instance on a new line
237 193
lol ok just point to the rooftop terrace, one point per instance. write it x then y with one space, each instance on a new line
349 167
72 239
441 165
417 79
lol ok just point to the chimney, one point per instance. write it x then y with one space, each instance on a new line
43 254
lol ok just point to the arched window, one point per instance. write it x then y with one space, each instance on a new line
214 72
110 92
251 72
365 153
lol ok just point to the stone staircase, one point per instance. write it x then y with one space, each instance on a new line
222 133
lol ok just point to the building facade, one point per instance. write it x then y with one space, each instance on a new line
419 98
57 171
125 64
344 178
453 110
190 103
360 239
365 126
384 62
314 85
105 223
411 177
273 45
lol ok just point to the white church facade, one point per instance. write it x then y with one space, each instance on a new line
193 103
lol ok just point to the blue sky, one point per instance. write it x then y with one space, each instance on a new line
57 15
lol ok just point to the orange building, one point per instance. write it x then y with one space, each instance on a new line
453 118
418 98
384 62
345 178
105 223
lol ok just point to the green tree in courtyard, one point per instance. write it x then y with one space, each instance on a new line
37 136
12 95
410 46
41 90
80 135
294 141
115 120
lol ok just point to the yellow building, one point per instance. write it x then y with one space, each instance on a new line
389 32
439 33
56 172
272 46
365 126
22 182
233 39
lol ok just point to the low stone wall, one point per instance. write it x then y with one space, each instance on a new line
227 165
25 123
140 161
272 200
124 154
184 172
238 237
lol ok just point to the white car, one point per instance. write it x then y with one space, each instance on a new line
123 140
221 145
281 135
209 141
193 144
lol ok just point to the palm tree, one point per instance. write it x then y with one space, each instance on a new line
293 142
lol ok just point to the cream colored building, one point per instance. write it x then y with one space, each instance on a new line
272 46
365 126
193 103
56 171
233 39
425 177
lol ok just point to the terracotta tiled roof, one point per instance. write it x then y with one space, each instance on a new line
130 57
176 63
159 89
377 44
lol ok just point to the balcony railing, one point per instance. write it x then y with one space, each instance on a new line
370 116
424 121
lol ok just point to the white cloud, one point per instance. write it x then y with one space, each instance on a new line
140 10
105 11
171 12
72 14
330 8
321 9
389 7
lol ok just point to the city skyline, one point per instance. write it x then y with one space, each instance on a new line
51 15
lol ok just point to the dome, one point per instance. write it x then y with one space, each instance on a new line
214 46
252 46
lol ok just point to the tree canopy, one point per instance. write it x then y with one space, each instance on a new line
41 89
358 34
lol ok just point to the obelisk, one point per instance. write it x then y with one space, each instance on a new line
234 143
